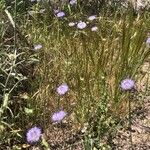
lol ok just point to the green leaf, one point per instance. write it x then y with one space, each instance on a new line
28 110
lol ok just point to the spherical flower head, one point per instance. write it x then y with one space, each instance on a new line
60 14
58 116
127 84
37 47
91 18
73 2
71 24
148 40
94 28
33 135
62 89
81 25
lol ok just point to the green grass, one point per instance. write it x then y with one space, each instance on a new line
91 63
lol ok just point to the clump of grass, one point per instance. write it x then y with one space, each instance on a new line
93 64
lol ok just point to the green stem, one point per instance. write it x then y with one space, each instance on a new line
130 125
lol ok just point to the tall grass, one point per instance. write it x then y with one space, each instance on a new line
91 63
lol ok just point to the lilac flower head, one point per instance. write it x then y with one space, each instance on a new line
71 24
62 89
33 135
91 18
81 25
127 84
60 14
148 40
73 2
59 116
37 47
94 28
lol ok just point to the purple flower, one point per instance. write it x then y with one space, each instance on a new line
127 84
148 40
93 17
71 24
60 14
37 47
94 28
62 89
58 116
73 2
81 25
33 135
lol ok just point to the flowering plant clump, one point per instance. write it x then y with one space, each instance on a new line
81 25
127 84
62 89
33 135
58 116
